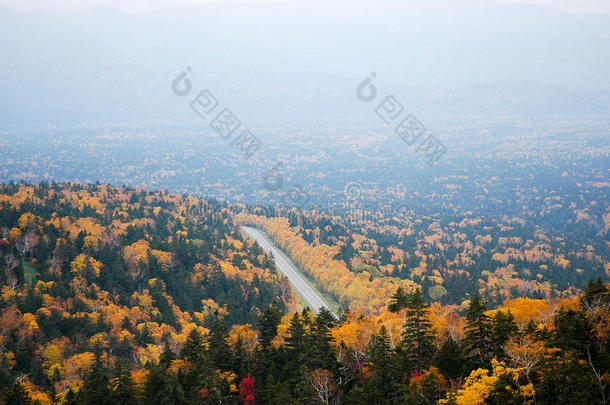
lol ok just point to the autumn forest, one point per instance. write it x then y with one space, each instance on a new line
304 202
115 295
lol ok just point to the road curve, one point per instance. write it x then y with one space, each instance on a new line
289 270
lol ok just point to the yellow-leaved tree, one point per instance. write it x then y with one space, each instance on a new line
498 386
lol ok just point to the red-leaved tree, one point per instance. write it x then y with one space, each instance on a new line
246 390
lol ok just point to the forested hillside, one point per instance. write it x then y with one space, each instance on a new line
112 295
118 269
360 257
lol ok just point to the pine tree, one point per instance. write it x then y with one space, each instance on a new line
567 381
416 346
296 344
574 333
449 359
265 355
144 337
123 388
377 386
381 365
200 373
321 351
167 355
503 328
268 322
95 388
162 388
596 293
398 300
326 318
240 357
276 392
193 347
477 339
17 395
156 380
295 337
218 348
126 324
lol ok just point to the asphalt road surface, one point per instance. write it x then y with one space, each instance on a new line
313 299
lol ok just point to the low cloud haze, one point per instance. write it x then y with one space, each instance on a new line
279 61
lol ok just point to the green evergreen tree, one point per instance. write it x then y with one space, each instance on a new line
95 387
326 318
573 332
381 386
449 359
321 353
268 322
218 348
295 335
377 385
596 294
162 388
567 381
17 395
167 355
155 383
126 324
427 391
416 346
265 356
503 328
193 348
144 337
398 300
240 358
123 388
278 392
477 334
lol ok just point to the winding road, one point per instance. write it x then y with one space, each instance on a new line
289 270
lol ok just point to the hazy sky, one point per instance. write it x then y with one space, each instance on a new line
578 6
288 60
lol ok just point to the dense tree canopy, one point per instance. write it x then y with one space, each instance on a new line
114 295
